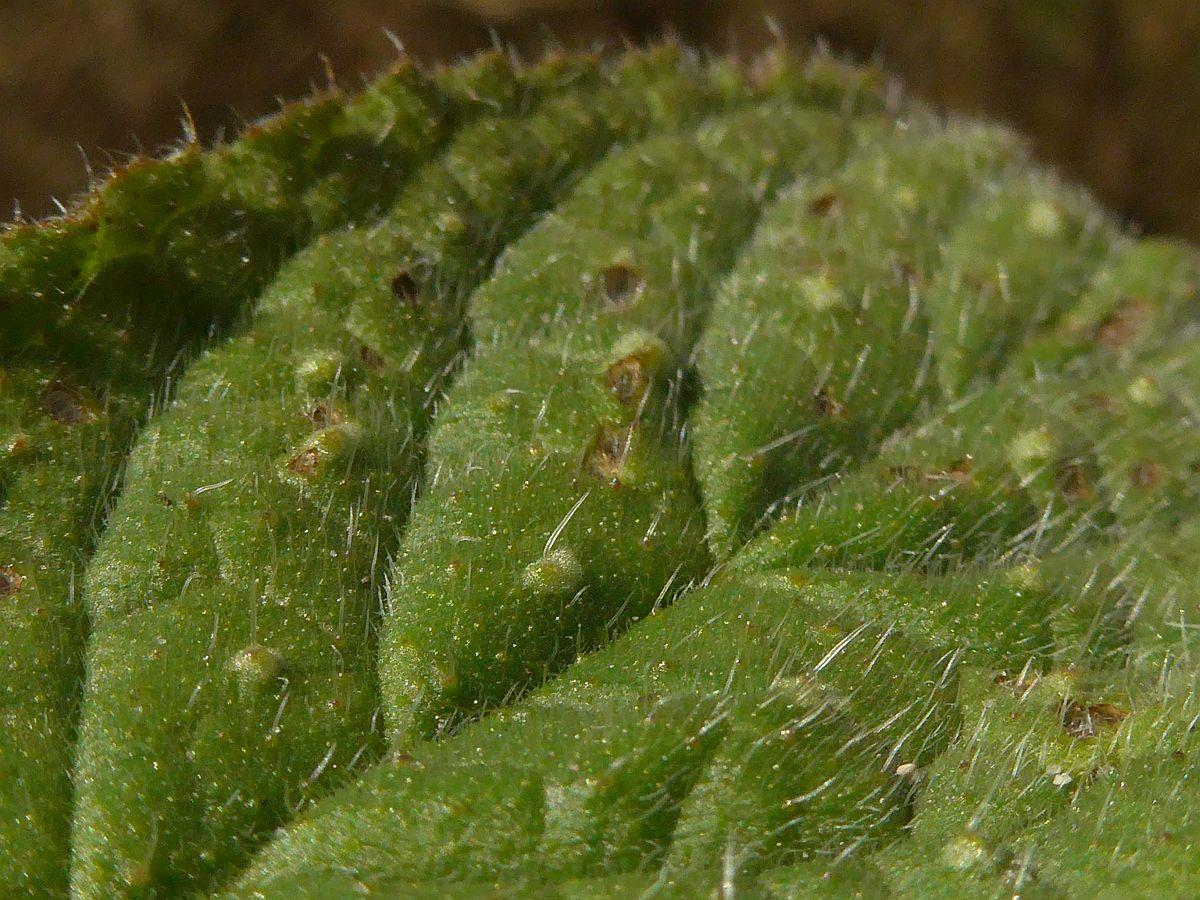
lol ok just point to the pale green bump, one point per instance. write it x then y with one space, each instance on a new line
820 292
1143 391
649 349
320 371
1045 218
256 667
965 852
1030 450
559 572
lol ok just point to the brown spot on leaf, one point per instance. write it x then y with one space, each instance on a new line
370 358
977 283
10 581
1146 475
1122 325
405 288
1018 684
827 406
322 414
65 405
1082 721
607 452
620 284
1071 477
306 463
628 379
762 69
18 445
907 274
959 470
1098 400
825 203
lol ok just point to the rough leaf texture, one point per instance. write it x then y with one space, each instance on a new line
598 477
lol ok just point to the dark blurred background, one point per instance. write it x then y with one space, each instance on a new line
1108 89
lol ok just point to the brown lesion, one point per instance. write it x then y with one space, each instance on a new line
1097 401
405 288
827 406
956 472
907 274
825 203
629 379
1123 324
978 283
904 472
371 359
960 469
1074 481
66 405
323 414
1147 475
1020 684
11 582
620 284
608 451
305 464
761 69
1081 720
18 445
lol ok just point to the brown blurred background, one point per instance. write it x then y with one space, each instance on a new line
1108 89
